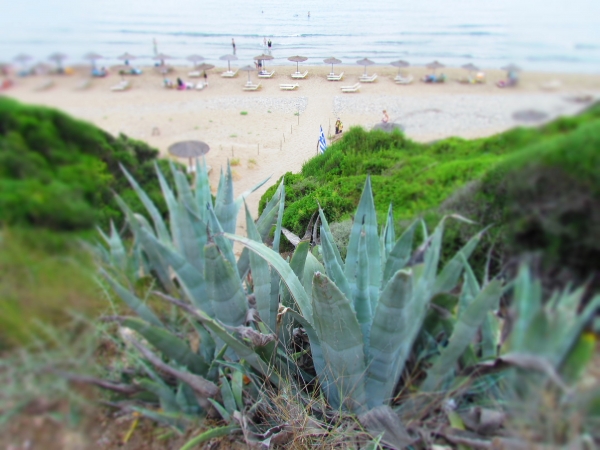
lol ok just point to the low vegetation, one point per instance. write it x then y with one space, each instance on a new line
59 173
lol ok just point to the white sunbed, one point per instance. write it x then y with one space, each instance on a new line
194 74
299 75
334 77
353 88
265 74
46 84
367 79
399 79
229 74
288 87
201 85
122 86
251 87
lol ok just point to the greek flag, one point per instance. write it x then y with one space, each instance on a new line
322 141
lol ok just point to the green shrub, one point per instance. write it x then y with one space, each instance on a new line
60 173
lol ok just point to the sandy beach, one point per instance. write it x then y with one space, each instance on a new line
270 131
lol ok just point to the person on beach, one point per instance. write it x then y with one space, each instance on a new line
339 127
205 75
233 45
265 41
269 44
385 118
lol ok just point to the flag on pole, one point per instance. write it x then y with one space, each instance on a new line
322 141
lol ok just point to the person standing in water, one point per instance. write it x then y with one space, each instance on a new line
269 44
233 45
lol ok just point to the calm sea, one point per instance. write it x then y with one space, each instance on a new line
548 35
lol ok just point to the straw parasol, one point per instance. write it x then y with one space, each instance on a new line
126 57
365 62
161 57
249 69
189 149
400 64
58 59
332 61
470 67
297 60
228 58
263 57
92 56
205 66
195 59
435 65
511 68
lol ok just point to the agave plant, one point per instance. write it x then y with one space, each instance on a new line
362 315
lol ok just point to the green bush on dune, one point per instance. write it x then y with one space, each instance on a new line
60 173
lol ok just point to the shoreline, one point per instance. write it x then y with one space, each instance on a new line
271 138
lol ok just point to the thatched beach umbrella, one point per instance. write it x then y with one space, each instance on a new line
195 59
263 57
365 62
92 57
332 61
470 67
58 58
205 66
297 60
189 149
400 64
435 65
228 58
248 69
161 57
126 57
511 68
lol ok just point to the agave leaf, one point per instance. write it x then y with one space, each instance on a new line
283 269
118 254
186 401
388 236
168 401
224 288
490 336
207 346
264 224
226 393
464 331
190 278
225 430
367 216
159 224
225 206
177 421
362 304
400 253
261 276
326 234
237 388
203 195
137 305
311 266
342 344
157 263
572 333
224 245
528 304
469 290
169 345
184 191
394 328
448 277
221 410
332 260
242 350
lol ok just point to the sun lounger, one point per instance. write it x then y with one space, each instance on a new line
265 74
122 86
83 84
46 84
353 88
201 85
366 79
252 87
299 75
288 87
194 74
399 79
334 77
229 74
552 85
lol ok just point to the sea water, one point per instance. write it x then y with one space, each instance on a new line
540 35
